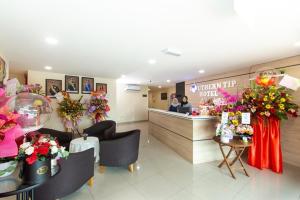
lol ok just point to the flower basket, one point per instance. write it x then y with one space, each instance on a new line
36 173
7 168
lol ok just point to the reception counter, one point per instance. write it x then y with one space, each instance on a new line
190 136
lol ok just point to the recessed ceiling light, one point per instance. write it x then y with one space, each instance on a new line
159 86
51 40
151 61
168 81
201 71
48 68
123 76
297 44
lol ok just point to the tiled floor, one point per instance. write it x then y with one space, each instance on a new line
163 174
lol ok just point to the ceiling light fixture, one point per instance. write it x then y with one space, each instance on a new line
172 52
48 68
51 40
201 71
159 86
168 81
151 61
123 76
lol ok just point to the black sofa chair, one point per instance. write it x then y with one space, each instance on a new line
120 150
74 172
64 138
102 130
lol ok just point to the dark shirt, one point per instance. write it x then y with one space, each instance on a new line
173 108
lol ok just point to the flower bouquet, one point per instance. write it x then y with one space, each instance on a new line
268 100
70 111
37 155
97 107
10 132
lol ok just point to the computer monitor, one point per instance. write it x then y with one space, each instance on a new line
184 110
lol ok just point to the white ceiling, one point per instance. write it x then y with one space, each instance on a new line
108 38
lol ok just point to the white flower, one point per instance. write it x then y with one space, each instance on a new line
53 143
43 140
25 145
54 149
29 151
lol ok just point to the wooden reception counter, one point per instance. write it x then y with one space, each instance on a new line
190 136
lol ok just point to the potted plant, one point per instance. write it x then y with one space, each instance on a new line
36 156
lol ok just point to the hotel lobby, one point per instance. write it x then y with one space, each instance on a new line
150 100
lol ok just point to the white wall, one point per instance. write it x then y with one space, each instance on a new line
131 105
125 106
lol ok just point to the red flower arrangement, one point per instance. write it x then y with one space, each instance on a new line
41 147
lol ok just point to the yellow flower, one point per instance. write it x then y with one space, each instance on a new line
252 94
231 114
282 100
268 106
230 106
272 98
247 96
266 98
235 122
261 113
281 106
239 113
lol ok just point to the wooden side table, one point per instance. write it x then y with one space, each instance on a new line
238 146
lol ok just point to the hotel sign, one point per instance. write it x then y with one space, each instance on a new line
211 89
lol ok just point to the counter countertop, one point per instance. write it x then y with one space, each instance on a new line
181 115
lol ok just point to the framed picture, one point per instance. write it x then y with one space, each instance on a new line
72 84
3 73
163 96
87 85
101 87
53 86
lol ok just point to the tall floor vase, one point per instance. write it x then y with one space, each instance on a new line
266 149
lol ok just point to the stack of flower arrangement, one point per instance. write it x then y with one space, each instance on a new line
71 111
97 107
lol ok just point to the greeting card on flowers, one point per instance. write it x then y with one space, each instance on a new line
246 118
290 82
224 119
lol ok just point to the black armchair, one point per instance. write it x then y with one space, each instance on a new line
122 150
74 172
102 130
64 138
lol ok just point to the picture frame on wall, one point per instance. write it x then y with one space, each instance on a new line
53 86
72 84
3 72
87 85
101 87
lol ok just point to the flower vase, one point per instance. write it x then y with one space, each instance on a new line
7 168
36 173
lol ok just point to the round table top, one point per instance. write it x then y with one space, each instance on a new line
235 142
81 139
13 184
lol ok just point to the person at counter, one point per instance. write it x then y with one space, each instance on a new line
174 105
185 106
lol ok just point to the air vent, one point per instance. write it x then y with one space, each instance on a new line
132 87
